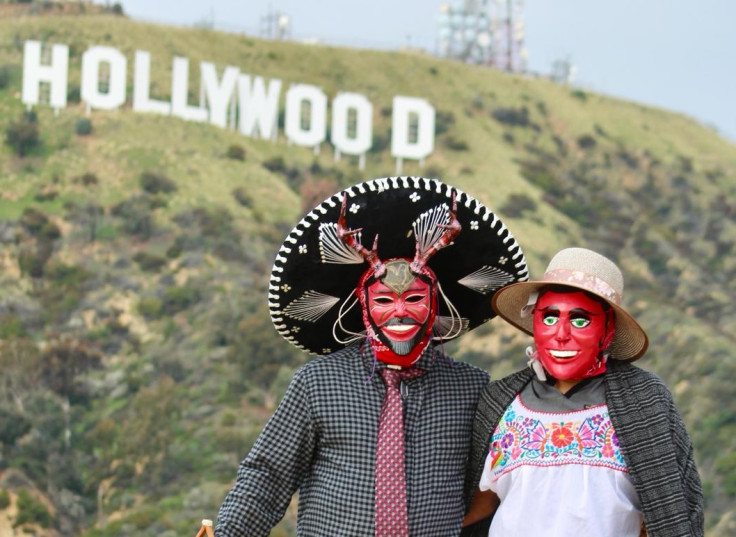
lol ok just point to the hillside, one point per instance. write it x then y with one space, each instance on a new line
138 358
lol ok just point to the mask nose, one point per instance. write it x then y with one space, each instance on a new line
400 310
563 331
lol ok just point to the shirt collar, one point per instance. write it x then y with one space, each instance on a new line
426 361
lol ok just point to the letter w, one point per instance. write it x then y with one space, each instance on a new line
258 108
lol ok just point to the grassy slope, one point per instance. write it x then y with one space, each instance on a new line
124 144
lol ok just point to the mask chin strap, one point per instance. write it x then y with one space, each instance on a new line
605 354
535 364
527 310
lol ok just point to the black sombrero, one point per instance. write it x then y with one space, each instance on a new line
315 273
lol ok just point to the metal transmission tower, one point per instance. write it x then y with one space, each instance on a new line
275 25
487 32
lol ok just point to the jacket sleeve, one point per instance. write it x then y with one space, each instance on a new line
273 470
691 485
491 405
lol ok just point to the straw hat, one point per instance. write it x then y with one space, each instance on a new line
577 268
314 274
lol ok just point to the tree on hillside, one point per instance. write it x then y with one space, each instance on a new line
19 359
23 135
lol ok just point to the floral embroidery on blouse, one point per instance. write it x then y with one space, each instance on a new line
527 437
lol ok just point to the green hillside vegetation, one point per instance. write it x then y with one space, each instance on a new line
137 358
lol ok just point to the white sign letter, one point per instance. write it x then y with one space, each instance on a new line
361 141
141 87
315 133
412 139
114 97
180 93
259 109
220 95
55 74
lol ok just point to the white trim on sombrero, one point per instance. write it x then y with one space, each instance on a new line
302 256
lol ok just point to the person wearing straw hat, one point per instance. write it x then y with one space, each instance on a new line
375 433
581 442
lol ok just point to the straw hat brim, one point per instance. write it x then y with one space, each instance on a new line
629 343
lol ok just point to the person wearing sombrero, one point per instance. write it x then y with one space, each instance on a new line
581 442
375 433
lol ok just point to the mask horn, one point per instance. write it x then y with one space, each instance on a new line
452 230
348 237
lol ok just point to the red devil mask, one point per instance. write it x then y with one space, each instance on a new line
571 331
398 297
399 310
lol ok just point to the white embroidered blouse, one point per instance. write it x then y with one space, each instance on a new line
559 474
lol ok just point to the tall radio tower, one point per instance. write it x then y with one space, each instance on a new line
487 32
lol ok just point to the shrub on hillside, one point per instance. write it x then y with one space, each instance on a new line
579 94
13 425
31 511
4 76
235 152
63 290
33 220
23 135
586 141
49 232
83 126
176 249
179 298
11 326
518 204
148 261
89 179
136 215
155 183
46 194
63 362
380 143
443 122
517 117
455 144
242 196
275 164
4 499
32 261
150 307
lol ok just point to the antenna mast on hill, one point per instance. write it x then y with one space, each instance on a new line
485 32
275 25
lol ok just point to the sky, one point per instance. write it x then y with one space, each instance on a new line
674 54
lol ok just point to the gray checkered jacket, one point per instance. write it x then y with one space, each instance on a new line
321 441
653 440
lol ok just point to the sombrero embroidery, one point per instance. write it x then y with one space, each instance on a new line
315 273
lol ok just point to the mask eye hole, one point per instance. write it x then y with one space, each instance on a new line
549 319
383 300
414 299
580 322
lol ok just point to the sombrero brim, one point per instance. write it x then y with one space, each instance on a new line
314 274
629 343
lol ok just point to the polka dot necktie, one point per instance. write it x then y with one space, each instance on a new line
391 512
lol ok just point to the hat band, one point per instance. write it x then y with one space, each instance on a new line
588 281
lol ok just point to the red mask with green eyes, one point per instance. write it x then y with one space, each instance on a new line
399 310
571 331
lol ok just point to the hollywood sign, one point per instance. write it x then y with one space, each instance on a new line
233 100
